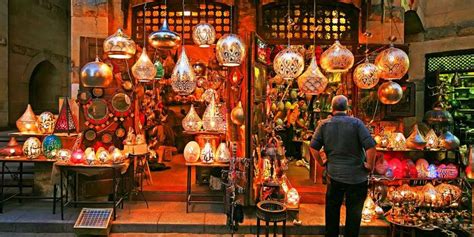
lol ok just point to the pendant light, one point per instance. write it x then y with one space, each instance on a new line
183 80
337 58
97 73
366 74
313 81
192 122
288 64
390 93
204 35
230 50
143 69
212 119
119 46
164 38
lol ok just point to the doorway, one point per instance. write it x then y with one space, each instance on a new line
44 88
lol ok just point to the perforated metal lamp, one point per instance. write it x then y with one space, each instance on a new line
96 74
204 35
312 81
119 46
337 58
230 50
164 38
393 63
288 64
183 80
143 69
366 75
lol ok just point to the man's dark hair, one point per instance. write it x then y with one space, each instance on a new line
339 103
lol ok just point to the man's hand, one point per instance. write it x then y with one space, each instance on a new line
370 163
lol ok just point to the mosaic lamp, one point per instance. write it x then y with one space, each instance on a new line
390 93
366 75
337 58
393 63
96 74
230 50
78 157
192 122
431 139
204 35
164 38
32 148
51 146
117 155
191 152
64 155
288 64
27 123
312 81
212 118
292 198
160 70
183 80
119 46
207 154
222 153
143 69
46 122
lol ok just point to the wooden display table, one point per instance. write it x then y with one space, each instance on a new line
66 169
20 185
190 195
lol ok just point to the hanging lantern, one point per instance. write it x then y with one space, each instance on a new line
312 81
237 114
207 155
209 94
288 64
392 63
160 71
192 122
183 80
78 157
292 198
51 145
222 153
431 139
212 119
46 122
64 155
164 38
390 93
27 123
191 152
143 69
368 213
438 115
32 148
199 68
96 74
230 50
119 46
204 35
416 141
366 75
448 141
337 58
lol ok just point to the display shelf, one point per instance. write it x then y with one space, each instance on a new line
40 158
383 178
20 134
411 150
204 133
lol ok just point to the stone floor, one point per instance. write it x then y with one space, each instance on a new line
160 217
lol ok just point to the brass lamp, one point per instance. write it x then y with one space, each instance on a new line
337 58
288 64
312 81
143 69
96 74
27 123
204 35
393 63
119 46
230 50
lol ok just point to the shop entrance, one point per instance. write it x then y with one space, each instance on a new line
44 88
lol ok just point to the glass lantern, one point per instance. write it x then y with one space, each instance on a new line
207 154
366 75
191 152
51 145
398 141
192 122
64 155
143 69
288 64
392 63
230 50
312 81
431 139
78 157
213 120
117 156
368 212
32 148
46 122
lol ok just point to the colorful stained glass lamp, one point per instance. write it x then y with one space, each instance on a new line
65 122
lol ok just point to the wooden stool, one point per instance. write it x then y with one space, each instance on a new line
165 153
271 211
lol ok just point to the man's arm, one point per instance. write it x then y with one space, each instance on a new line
370 163
316 144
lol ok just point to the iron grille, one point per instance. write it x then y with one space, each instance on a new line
334 21
451 63
94 218
217 14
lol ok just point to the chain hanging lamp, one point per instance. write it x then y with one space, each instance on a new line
366 75
288 63
183 80
337 58
230 50
390 93
204 35
393 63
144 70
119 46
313 81
164 38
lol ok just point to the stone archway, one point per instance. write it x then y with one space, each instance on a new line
44 88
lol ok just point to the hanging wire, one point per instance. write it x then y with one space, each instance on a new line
314 17
182 25
96 28
289 24
144 24
231 15
367 33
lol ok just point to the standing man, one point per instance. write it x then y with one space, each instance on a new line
350 152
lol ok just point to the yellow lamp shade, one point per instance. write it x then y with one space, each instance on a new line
144 70
27 123
392 63
337 58
119 46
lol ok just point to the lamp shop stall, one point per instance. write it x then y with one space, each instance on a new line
250 104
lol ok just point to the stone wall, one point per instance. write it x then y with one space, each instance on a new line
38 31
3 64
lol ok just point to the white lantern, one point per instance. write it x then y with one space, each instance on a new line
192 122
204 35
207 154
183 80
222 153
191 152
144 70
288 64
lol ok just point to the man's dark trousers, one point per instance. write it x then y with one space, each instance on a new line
355 196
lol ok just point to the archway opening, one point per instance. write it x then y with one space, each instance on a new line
44 88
